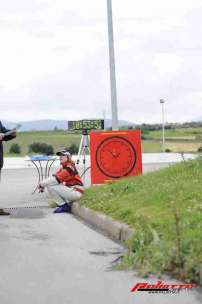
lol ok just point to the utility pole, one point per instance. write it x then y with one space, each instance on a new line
162 101
114 109
104 117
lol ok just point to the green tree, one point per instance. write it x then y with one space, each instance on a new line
15 149
43 148
73 149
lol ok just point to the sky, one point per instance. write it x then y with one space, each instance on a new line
54 61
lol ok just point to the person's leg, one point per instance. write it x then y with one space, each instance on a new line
61 194
55 200
64 196
2 212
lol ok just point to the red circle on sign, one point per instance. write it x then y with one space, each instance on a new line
116 157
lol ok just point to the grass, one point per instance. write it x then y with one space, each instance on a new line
183 133
58 139
155 146
165 209
187 140
179 140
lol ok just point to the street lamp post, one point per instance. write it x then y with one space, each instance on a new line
112 68
162 101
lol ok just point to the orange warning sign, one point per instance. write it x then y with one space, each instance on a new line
115 154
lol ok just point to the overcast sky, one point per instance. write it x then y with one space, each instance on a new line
54 59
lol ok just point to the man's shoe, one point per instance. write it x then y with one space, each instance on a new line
64 208
2 212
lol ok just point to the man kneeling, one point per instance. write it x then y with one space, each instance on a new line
65 186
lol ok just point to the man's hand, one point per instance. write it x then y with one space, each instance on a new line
40 188
1 136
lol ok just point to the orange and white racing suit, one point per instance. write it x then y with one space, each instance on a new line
65 185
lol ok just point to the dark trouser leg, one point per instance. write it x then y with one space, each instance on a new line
2 212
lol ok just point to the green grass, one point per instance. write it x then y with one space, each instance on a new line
165 209
183 133
177 140
155 146
58 139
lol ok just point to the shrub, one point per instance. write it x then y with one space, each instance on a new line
73 149
43 148
200 149
168 150
15 149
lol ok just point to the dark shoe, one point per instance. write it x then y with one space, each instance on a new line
2 212
64 208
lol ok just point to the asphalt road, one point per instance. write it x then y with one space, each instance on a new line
49 259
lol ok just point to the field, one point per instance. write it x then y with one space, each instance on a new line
179 133
177 145
176 140
58 139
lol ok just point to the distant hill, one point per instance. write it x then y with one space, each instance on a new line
48 124
37 125
108 123
9 124
199 119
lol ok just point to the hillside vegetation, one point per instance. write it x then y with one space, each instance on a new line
165 209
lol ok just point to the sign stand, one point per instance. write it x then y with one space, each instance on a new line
83 151
85 125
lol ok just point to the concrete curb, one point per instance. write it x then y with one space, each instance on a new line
114 229
200 274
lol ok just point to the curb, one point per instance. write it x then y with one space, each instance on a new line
115 229
200 274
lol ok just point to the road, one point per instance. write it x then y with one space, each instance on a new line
49 259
